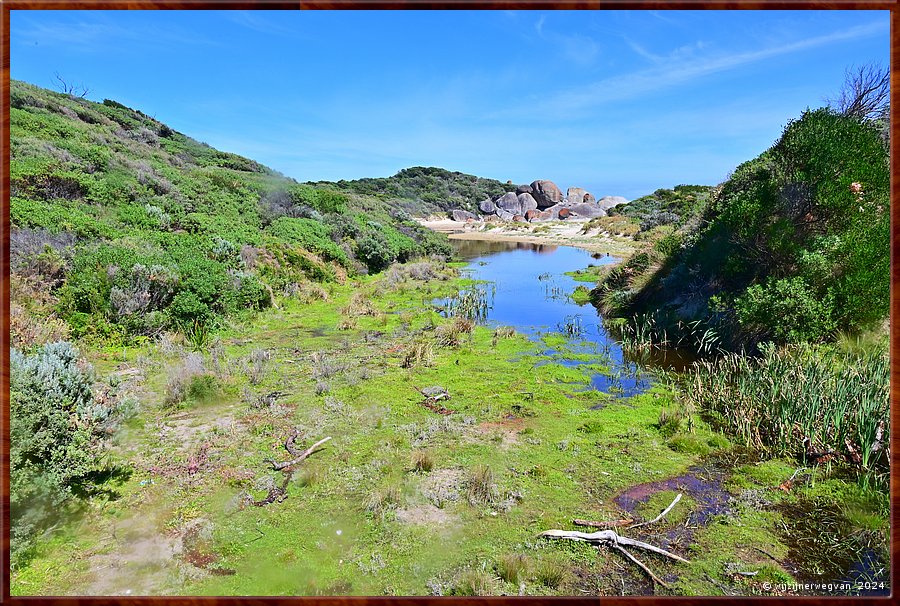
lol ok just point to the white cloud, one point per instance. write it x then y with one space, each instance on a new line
680 67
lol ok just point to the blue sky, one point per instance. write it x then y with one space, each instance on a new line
618 102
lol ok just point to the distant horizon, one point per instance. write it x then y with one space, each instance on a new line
616 102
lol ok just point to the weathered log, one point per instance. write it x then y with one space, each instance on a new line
609 538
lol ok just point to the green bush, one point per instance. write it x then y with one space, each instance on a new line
311 235
787 308
56 430
321 199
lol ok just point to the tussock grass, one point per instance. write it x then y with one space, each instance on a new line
473 583
418 353
801 399
550 573
480 486
513 567
451 335
383 500
422 460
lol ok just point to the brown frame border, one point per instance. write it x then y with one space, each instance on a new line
6 5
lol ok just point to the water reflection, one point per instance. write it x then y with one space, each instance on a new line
532 295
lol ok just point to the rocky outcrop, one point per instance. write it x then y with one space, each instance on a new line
607 202
588 211
509 202
546 193
487 207
464 215
527 202
541 201
524 189
575 195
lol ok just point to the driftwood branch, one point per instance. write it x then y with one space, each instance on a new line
649 572
609 538
610 524
660 516
612 539
289 444
300 457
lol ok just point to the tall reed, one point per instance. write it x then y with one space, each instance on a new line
801 399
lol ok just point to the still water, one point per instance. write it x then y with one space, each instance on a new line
532 295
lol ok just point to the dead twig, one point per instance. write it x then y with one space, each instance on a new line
610 524
649 572
611 538
660 516
299 458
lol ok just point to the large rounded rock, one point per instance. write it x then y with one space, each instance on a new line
527 202
546 193
524 189
510 203
589 211
532 215
564 213
575 195
464 215
607 202
504 215
487 206
589 199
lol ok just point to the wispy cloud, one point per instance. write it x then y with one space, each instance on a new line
680 67
98 34
575 47
260 22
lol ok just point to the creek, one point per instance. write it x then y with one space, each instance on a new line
531 292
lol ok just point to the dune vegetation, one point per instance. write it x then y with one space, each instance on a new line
225 382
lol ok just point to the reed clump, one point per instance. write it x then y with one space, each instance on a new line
801 400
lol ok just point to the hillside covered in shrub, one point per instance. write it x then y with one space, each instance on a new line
126 227
422 191
793 247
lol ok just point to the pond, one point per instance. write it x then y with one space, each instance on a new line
531 293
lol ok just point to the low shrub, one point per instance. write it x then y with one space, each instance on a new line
57 431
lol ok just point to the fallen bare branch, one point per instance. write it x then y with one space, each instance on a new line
609 538
655 578
660 516
610 524
302 456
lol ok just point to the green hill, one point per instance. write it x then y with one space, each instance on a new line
132 227
794 246
422 191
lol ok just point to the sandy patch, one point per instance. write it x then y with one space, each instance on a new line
141 562
425 515
507 429
559 233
